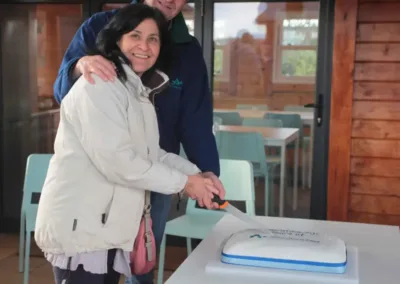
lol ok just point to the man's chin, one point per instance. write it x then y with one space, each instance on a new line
168 16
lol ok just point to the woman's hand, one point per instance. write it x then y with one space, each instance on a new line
217 183
202 189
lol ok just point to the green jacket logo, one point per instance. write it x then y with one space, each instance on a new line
177 84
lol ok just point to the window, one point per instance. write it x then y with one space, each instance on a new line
238 56
264 53
296 41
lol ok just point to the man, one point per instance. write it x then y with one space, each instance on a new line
184 110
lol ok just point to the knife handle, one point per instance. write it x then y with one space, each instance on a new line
222 203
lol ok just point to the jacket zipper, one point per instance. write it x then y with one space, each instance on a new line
155 93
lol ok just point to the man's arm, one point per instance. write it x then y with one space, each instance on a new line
196 119
83 40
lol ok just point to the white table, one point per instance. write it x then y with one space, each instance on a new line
378 246
278 137
306 117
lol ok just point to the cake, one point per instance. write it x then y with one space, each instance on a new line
286 249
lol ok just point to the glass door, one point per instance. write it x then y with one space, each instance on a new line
34 38
267 61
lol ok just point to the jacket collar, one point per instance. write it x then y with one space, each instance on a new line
156 84
179 30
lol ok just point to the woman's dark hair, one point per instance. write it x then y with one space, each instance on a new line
124 21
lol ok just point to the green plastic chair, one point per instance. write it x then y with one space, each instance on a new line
272 159
230 118
262 122
35 175
247 106
237 178
289 121
248 146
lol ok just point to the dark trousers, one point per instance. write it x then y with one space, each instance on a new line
80 276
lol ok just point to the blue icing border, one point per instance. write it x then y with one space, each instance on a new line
300 265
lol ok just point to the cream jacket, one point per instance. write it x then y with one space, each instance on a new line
106 155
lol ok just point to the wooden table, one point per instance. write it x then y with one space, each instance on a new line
378 247
306 117
278 137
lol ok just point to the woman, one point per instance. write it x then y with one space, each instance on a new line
107 155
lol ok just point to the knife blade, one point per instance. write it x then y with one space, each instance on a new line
224 205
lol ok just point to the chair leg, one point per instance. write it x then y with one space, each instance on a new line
267 193
161 259
189 245
272 192
303 167
27 253
21 243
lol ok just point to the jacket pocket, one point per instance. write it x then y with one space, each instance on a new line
123 217
109 208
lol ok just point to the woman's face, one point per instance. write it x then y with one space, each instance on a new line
142 46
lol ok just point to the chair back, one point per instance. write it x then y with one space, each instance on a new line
262 122
237 178
288 120
247 146
255 107
35 175
230 118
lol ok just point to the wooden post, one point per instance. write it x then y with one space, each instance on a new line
341 109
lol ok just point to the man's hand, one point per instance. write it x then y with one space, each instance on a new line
96 64
217 183
201 189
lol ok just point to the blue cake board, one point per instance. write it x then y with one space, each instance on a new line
285 276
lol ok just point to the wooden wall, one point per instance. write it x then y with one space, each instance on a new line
364 170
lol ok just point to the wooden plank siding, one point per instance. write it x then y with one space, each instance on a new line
374 192
364 182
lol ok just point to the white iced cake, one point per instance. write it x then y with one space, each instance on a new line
286 249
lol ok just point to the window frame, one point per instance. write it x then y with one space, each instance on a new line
277 77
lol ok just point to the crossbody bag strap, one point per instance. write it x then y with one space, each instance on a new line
147 225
